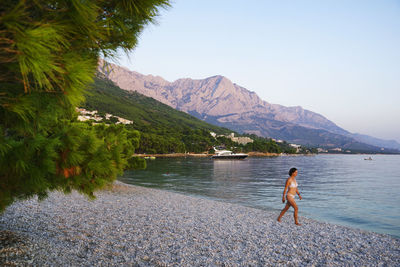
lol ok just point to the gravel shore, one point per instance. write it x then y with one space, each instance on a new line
135 226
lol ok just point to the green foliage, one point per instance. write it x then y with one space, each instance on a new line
148 114
228 143
72 155
306 150
263 145
137 163
163 129
49 53
113 119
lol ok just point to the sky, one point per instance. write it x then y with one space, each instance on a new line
338 58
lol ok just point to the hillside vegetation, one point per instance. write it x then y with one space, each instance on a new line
164 129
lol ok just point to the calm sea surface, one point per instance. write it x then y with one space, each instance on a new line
341 189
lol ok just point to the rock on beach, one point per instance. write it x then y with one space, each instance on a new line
136 226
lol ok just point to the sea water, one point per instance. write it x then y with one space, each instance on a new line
343 189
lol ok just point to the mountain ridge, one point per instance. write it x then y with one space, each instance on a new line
218 100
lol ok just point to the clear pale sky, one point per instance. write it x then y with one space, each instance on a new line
339 58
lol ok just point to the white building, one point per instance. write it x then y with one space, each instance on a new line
239 140
86 115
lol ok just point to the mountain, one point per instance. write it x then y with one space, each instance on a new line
163 129
219 101
377 142
148 114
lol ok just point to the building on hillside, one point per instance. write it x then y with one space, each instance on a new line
239 140
86 112
86 118
124 121
297 147
86 115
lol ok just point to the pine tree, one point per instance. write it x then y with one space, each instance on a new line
49 52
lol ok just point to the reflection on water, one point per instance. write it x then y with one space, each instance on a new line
227 176
342 189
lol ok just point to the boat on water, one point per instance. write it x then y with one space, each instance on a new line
368 158
227 154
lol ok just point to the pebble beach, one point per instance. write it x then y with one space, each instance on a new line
135 226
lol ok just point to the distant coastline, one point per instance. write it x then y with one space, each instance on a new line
251 154
203 155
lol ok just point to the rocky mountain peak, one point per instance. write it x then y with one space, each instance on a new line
213 96
219 101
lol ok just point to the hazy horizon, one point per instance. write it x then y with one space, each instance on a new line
336 58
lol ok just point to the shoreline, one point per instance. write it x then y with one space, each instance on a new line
133 225
251 155
203 155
